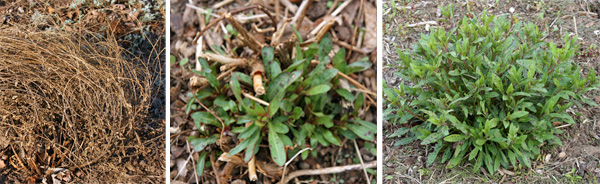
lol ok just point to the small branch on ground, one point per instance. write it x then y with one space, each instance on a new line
329 170
361 162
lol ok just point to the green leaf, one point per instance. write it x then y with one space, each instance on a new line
323 88
454 138
473 153
276 146
297 33
279 127
434 137
200 143
346 94
433 155
183 61
405 141
325 120
331 138
205 118
358 66
237 91
297 113
205 66
399 132
339 60
267 54
201 163
362 132
242 145
480 142
324 47
279 85
213 81
511 157
518 114
274 107
250 130
173 59
253 146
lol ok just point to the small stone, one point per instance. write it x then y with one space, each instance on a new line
547 159
511 10
562 155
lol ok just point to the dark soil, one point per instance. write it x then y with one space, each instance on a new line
577 161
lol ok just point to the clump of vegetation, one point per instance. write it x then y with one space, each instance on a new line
298 106
488 92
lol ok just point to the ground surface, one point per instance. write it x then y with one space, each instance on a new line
138 28
574 162
188 19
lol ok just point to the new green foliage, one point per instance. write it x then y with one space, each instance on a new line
487 92
304 106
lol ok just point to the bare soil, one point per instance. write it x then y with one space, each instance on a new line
577 161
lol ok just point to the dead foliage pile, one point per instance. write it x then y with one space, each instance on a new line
72 110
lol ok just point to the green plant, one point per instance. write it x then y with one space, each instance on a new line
424 171
448 13
487 92
573 177
302 105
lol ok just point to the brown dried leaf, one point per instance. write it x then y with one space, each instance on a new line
370 26
349 13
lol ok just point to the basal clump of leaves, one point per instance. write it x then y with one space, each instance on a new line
304 106
487 92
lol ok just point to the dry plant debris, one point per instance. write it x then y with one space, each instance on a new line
227 59
71 103
81 91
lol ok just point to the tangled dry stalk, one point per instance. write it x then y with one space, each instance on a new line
71 101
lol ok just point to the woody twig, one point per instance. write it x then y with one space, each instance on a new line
244 36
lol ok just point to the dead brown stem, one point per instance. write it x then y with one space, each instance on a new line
244 36
224 74
252 169
333 6
329 170
213 23
212 163
197 82
356 25
361 162
354 82
258 69
350 47
223 59
276 39
302 13
255 99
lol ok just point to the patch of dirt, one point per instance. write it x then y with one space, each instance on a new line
406 164
82 92
355 29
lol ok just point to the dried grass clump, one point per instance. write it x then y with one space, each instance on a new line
71 101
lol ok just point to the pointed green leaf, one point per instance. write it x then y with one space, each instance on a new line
323 88
518 114
276 146
454 138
